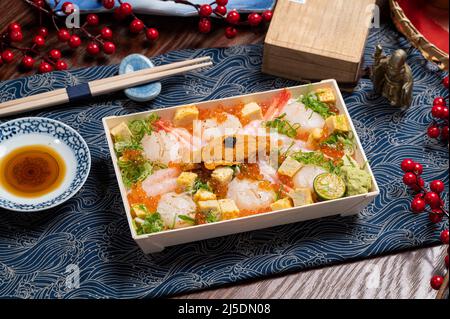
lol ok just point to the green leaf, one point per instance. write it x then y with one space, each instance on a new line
187 218
317 159
141 127
283 126
121 146
198 184
211 217
311 102
152 224
134 171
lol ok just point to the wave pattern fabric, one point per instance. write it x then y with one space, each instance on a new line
83 249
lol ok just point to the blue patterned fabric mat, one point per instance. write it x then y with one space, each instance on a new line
40 251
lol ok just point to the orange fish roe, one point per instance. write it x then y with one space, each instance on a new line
265 185
131 155
286 180
137 195
250 171
219 189
334 153
244 212
220 113
302 135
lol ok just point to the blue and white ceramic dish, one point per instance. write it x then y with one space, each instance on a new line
62 139
141 93
165 7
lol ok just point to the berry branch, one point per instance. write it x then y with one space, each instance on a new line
430 201
99 40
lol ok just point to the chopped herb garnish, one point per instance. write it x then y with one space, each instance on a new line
211 217
283 126
134 169
141 127
198 184
312 102
342 140
187 218
121 146
318 159
152 224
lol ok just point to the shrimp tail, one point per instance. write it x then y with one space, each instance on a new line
277 103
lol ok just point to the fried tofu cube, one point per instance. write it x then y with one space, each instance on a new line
139 210
314 138
336 123
252 111
186 180
204 195
289 167
326 96
209 206
222 175
121 132
228 208
301 197
281 204
185 116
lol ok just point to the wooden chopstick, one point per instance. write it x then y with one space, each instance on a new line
102 86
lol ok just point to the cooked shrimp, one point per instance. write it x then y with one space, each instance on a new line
297 113
212 128
277 103
172 205
160 182
248 195
306 175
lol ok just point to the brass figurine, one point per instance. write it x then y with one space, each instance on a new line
392 77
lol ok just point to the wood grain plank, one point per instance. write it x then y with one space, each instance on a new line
400 276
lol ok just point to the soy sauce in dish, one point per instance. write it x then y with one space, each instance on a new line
32 171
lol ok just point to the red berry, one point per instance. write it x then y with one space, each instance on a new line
106 33
436 282
409 179
230 32
436 111
136 26
418 168
74 41
254 19
109 48
108 4
14 26
63 35
125 9
220 10
419 185
28 62
15 36
433 131
408 165
118 15
446 261
444 237
205 10
7 56
444 133
93 48
43 32
233 17
39 40
267 15
204 25
67 8
55 54
435 217
444 113
45 67
152 34
92 19
439 101
418 205
221 2
433 199
445 82
39 3
61 65
437 186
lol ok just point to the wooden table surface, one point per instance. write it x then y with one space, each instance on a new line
404 275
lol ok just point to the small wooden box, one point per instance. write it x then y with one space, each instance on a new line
317 39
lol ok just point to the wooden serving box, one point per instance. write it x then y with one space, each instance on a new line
318 39
346 206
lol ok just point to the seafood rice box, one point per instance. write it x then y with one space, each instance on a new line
237 164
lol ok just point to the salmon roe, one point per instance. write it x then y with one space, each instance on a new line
137 195
250 171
